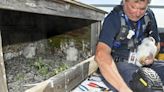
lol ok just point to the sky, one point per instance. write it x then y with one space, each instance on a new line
153 2
159 13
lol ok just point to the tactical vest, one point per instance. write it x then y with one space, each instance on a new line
121 45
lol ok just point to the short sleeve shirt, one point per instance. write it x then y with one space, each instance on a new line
111 26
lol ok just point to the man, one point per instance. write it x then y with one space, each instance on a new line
123 30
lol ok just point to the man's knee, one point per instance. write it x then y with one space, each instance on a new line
126 70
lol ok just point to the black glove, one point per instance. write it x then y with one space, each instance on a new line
146 80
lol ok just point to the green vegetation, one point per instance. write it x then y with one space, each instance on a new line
20 76
44 69
59 69
41 66
77 35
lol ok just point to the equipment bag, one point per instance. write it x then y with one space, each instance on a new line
146 80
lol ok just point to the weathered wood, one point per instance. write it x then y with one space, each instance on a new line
95 29
3 84
86 6
2 1
66 8
67 80
70 78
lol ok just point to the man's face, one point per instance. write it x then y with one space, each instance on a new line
135 10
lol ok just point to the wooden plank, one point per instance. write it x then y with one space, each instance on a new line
73 77
86 5
3 83
54 7
95 30
2 1
92 66
58 84
67 80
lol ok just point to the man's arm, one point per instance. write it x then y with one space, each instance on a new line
108 68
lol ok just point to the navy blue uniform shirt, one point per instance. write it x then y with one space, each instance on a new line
112 25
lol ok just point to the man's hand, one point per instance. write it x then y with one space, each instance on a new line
146 51
147 60
108 68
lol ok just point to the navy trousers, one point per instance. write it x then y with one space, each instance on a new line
126 70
